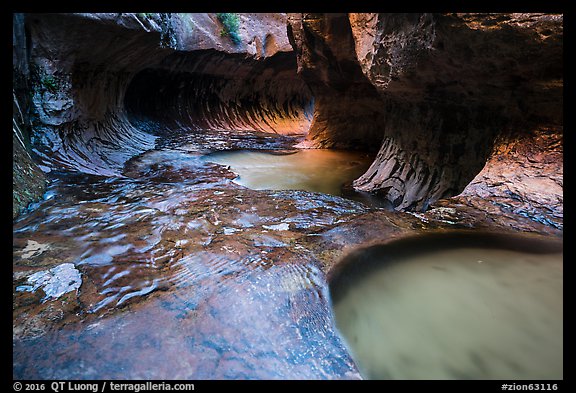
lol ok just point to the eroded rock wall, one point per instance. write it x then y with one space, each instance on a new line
521 185
106 84
213 90
347 109
437 96
444 91
28 181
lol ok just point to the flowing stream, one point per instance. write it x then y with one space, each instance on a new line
200 261
172 271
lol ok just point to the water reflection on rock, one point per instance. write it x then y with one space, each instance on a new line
184 275
173 271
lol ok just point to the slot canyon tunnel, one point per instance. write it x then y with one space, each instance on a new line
460 117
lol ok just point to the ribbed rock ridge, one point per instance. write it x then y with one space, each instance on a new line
99 102
443 100
213 90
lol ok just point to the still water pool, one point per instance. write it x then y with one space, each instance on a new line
310 170
453 307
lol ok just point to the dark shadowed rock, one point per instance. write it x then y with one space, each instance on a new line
145 261
438 92
28 181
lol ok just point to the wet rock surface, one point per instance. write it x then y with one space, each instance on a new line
143 260
180 264
437 92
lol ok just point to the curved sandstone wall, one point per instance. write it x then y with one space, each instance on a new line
213 90
28 181
105 83
439 95
444 100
